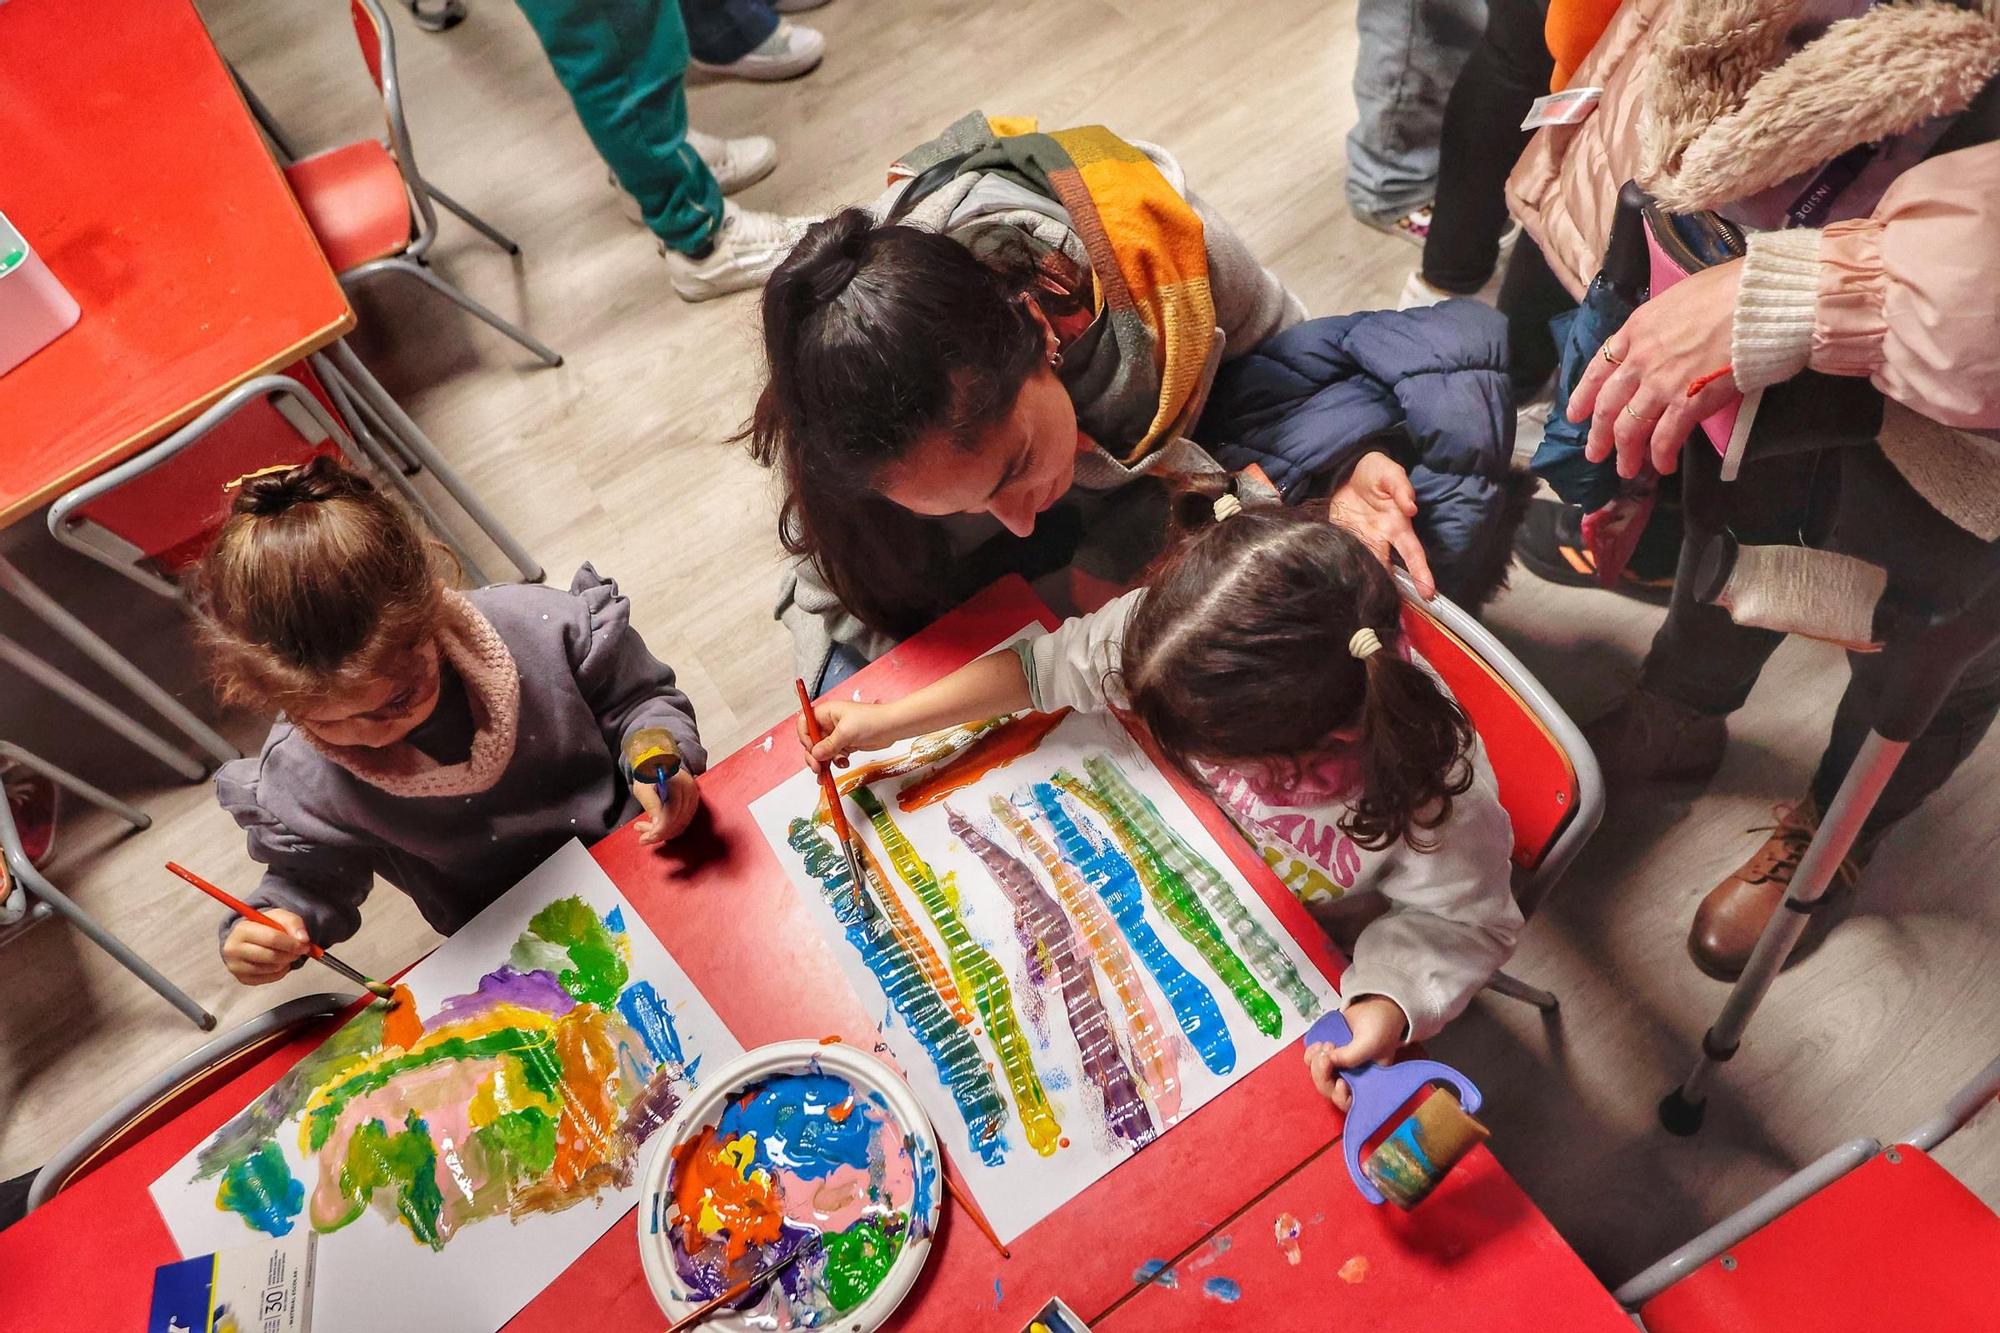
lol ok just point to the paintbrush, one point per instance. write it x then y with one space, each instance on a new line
979 1219
713 1303
841 832
249 913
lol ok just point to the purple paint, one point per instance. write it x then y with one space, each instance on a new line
530 990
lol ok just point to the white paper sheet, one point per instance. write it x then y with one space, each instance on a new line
1025 1185
374 1271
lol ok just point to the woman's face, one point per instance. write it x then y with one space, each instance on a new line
380 713
1017 468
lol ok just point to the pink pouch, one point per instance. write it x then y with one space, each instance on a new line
1728 427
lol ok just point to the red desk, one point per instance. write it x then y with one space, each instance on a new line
722 905
134 169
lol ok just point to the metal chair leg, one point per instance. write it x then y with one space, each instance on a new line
1516 989
265 120
98 707
362 421
69 781
1681 1110
117 664
417 443
473 220
424 274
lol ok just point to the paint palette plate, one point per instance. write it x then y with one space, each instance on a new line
795 1147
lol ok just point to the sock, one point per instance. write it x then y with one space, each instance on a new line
1820 594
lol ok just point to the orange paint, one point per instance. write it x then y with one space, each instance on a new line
716 1199
401 1027
913 939
997 748
1062 1143
923 752
838 1114
589 1119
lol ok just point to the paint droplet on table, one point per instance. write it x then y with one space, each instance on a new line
857 696
1286 1229
1156 1272
1222 1243
996 1293
1355 1269
767 744
1223 1289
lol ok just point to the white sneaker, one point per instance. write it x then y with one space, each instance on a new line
1417 293
790 50
747 247
737 163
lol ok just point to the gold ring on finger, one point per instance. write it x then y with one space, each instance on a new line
1609 359
1636 417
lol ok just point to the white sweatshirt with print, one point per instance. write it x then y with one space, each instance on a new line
1451 921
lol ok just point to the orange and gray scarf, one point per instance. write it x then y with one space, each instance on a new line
1138 375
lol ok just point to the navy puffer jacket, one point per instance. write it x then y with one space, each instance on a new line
1306 404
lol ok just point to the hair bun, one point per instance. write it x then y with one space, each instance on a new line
275 491
828 257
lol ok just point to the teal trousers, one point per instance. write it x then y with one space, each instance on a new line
623 63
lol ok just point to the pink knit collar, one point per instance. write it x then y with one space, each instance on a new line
469 642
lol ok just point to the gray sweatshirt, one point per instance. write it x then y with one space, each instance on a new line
587 682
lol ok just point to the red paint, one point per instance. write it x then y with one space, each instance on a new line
996 749
134 169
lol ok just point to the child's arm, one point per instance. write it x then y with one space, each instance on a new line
314 889
1069 667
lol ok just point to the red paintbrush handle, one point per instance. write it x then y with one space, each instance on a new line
826 782
235 904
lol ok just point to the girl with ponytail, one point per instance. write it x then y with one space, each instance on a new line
446 741
1265 657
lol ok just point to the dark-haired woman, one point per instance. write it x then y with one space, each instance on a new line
447 742
1035 346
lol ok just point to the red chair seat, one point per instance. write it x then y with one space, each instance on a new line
1896 1245
354 200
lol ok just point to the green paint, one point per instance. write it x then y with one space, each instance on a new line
260 1121
1170 893
597 971
532 955
523 1143
11 258
534 1050
977 975
262 1191
405 1162
1266 955
858 1258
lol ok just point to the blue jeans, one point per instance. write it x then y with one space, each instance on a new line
1409 55
723 31
841 663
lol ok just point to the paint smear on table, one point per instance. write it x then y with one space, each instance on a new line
1156 1272
801 1161
1287 1230
1224 1289
1354 1270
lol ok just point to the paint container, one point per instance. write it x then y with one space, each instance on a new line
657 1212
34 308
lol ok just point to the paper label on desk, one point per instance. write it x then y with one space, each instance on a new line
457 1152
1063 975
250 1289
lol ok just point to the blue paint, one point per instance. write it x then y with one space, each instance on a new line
996 1293
923 1184
1156 1272
789 1114
650 1017
1106 870
1226 1290
614 921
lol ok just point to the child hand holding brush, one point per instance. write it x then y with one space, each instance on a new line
1265 659
446 742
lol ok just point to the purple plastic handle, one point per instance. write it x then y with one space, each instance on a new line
1379 1092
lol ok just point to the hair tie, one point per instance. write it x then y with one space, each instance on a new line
1364 644
1227 507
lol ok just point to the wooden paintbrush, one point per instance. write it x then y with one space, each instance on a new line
964 1201
841 832
711 1305
249 913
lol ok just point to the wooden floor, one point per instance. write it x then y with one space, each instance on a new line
622 457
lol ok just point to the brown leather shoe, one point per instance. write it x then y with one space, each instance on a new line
1649 737
1735 912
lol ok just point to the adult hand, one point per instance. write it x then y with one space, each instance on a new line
669 818
1636 389
256 955
1377 1025
1376 504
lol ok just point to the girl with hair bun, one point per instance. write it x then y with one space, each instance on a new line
1265 658
445 741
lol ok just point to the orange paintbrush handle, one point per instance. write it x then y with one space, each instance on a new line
235 904
816 735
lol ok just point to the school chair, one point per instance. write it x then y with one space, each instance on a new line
28 896
1862 1240
1548 777
166 1092
152 517
371 209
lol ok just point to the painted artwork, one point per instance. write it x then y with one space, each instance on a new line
1064 962
458 1149
804 1169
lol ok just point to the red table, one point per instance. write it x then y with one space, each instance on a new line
1201 1199
132 166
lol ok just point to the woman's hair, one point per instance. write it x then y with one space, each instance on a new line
1240 650
876 336
316 583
